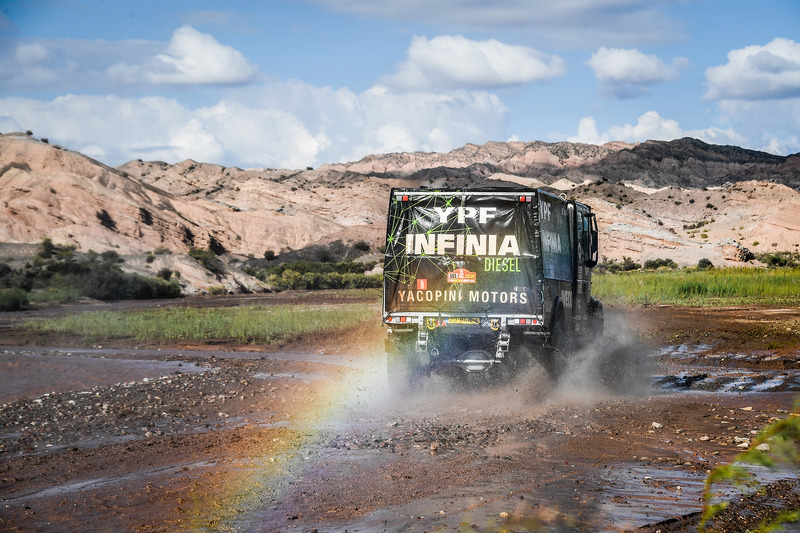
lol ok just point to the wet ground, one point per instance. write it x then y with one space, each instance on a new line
305 437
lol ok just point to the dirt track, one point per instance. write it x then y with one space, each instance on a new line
303 437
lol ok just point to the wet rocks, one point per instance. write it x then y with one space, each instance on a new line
148 408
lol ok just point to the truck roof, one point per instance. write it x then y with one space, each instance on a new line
499 191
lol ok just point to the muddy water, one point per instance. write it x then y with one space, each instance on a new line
531 470
28 375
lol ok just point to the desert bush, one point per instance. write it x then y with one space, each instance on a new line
13 299
780 259
111 256
208 259
105 220
704 264
66 279
48 249
613 267
361 245
655 264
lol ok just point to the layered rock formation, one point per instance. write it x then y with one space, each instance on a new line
682 200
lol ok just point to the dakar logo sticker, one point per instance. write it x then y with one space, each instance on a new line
461 275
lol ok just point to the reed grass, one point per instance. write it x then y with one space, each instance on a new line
700 288
255 324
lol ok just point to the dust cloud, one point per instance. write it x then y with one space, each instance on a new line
618 365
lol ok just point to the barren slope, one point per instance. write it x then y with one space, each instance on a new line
682 200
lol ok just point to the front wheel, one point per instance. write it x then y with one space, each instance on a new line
596 320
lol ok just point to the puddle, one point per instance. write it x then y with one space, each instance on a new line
682 351
305 377
638 495
27 376
97 483
730 381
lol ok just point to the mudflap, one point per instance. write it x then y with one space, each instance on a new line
404 366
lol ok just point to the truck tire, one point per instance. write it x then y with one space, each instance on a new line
559 345
503 373
597 321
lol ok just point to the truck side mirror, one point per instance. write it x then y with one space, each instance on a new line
591 261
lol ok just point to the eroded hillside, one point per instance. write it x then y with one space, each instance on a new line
683 200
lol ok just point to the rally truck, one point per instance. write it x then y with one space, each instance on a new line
487 280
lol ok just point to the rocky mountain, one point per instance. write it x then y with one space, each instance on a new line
682 200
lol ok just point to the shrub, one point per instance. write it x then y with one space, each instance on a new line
704 264
111 256
105 220
208 259
628 264
655 264
269 255
165 274
361 245
13 299
48 249
150 258
217 290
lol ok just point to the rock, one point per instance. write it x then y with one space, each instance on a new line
733 251
656 425
764 447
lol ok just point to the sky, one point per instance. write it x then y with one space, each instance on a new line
300 83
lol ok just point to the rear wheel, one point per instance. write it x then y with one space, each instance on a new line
504 372
559 346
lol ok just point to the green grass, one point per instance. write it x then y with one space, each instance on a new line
700 288
257 324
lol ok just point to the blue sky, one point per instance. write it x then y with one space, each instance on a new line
292 84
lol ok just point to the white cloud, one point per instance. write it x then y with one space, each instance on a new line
67 64
452 61
758 73
771 124
570 23
191 57
284 124
651 126
626 73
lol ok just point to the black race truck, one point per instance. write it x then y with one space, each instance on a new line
487 281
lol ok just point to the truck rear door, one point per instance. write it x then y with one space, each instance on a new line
461 253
